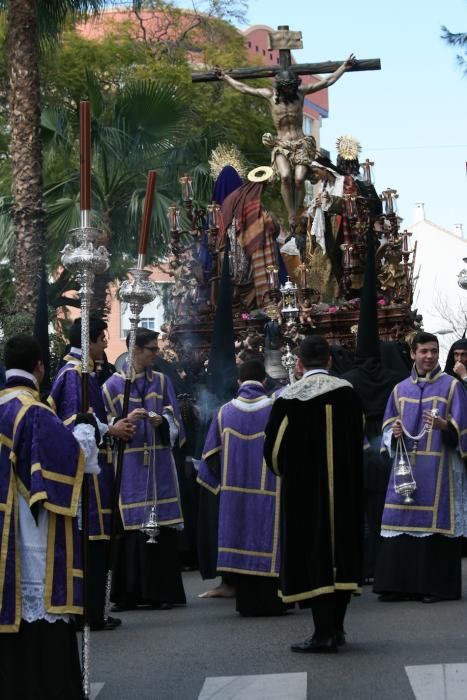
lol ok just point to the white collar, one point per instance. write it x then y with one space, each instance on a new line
22 373
316 371
76 351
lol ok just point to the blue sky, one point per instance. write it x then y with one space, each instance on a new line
410 117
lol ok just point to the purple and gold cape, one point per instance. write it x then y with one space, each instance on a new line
148 448
233 464
65 399
433 510
41 460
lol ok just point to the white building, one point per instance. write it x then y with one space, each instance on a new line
439 259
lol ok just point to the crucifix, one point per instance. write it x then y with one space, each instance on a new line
292 153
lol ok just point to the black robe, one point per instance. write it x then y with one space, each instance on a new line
314 440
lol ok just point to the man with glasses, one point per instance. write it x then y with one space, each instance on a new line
147 575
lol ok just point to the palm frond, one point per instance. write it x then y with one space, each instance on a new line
150 111
53 14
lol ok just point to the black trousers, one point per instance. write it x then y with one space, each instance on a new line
40 662
98 562
328 612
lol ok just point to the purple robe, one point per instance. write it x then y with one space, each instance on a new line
149 452
65 399
248 535
32 464
433 510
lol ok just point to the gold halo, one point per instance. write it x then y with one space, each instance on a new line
260 174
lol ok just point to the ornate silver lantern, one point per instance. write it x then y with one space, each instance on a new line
136 292
290 310
85 261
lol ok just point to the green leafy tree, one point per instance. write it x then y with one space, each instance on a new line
146 115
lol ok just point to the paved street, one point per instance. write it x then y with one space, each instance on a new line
169 655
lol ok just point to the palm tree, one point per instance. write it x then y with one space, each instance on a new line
29 21
133 130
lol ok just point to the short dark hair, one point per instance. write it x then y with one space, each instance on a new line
96 326
421 338
22 352
314 351
251 370
143 336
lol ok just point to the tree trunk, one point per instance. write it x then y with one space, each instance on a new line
25 150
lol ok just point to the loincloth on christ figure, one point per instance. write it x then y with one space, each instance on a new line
300 151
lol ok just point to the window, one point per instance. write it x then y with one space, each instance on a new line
155 313
149 323
307 125
257 49
249 44
264 52
270 57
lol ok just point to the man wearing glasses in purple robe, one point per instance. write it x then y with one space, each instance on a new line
420 554
147 574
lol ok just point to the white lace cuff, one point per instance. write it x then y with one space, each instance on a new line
86 436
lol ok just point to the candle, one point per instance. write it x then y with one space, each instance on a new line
367 171
187 190
174 217
270 271
303 276
85 155
147 212
213 216
405 242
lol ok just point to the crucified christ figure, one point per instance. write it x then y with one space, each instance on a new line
292 153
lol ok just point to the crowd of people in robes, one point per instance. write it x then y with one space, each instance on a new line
306 507
287 493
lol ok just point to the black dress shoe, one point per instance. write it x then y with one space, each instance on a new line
340 638
121 608
104 626
392 597
114 621
430 599
316 646
159 606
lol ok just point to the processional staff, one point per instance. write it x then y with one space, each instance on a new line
136 292
85 260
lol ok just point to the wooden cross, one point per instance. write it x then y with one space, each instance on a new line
284 40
